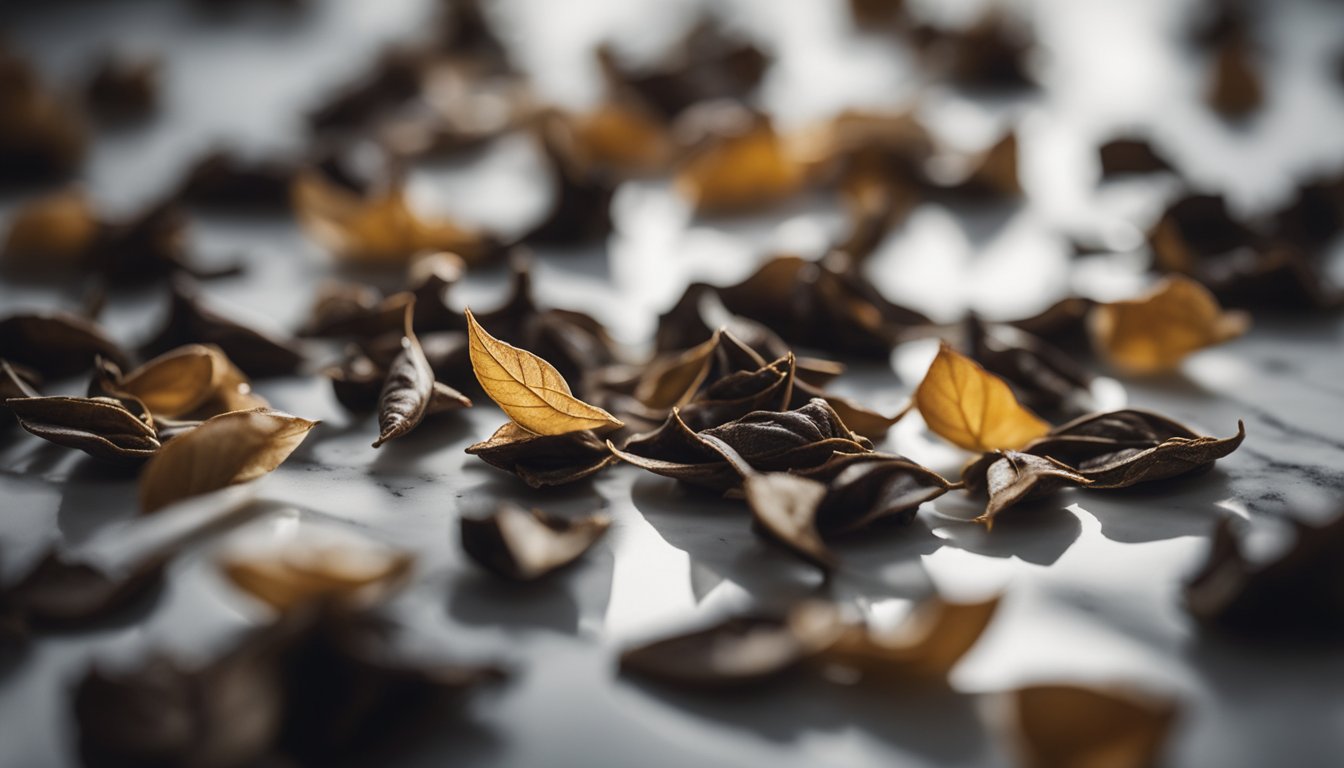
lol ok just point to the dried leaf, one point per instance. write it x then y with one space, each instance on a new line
1154 333
1012 478
193 320
407 389
923 649
124 88
581 190
1044 379
524 545
317 566
1124 156
544 460
993 175
1236 90
530 390
784 509
749 169
737 652
192 382
990 54
225 450
55 344
394 77
972 408
1296 594
623 138
863 489
1064 726
51 233
379 230
60 592
224 180
99 426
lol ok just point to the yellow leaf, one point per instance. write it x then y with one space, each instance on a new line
971 407
1154 333
379 230
226 450
1066 725
528 389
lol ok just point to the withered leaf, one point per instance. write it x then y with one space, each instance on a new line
1172 457
317 565
382 229
99 426
923 649
736 652
55 343
528 389
749 168
1155 332
123 87
61 592
51 234
1063 324
392 78
407 389
544 460
524 545
992 175
193 320
990 54
768 441
1236 90
784 510
41 137
1043 378
1194 228
863 489
581 190
1065 726
225 450
192 382
1013 477
357 381
1295 594
1124 156
972 408
223 179
707 64
1314 215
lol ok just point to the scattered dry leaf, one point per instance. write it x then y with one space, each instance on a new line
1154 333
317 566
1014 477
972 408
742 171
55 344
524 545
544 460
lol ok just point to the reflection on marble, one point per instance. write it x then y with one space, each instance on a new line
1092 581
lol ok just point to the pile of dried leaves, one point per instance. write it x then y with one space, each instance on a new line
733 399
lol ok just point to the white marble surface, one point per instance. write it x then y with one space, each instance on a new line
1092 582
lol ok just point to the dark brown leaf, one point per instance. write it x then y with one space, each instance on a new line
1298 593
193 320
392 78
784 510
1013 477
59 592
581 191
1042 377
124 88
864 489
1125 156
408 388
55 344
992 176
524 545
41 137
544 460
99 426
223 179
1236 90
990 54
13 384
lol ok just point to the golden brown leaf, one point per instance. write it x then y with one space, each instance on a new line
382 230
1063 726
528 389
784 509
194 381
52 231
971 407
523 545
100 426
228 449
622 137
408 388
317 565
743 171
1154 333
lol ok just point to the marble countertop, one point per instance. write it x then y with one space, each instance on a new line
1092 583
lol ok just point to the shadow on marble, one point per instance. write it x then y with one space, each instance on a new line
1037 533
560 602
936 723
982 221
411 453
716 534
1183 506
93 495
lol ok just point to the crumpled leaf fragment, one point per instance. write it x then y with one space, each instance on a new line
526 544
225 180
51 233
530 390
1067 726
784 510
124 87
100 426
544 460
1043 378
316 565
1293 595
972 408
1236 89
990 54
1154 333
408 388
225 450
864 489
1012 477
192 382
582 189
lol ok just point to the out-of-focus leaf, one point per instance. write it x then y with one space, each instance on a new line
1065 726
524 545
55 344
192 319
1154 333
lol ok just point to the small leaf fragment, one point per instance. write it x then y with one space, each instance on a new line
225 450
530 390
972 408
1017 477
524 545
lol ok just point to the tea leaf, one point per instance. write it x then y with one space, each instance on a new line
193 382
528 389
746 170
784 508
55 344
99 426
192 319
524 545
544 460
1156 332
1017 477
864 489
225 450
408 388
973 408
1063 725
